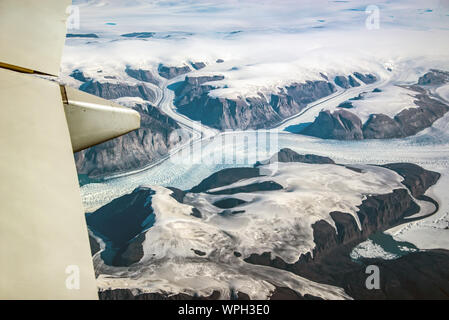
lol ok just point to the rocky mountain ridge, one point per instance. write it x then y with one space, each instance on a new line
193 100
345 125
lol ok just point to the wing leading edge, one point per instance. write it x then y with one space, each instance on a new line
44 244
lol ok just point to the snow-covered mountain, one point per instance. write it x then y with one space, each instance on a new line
397 113
263 47
240 230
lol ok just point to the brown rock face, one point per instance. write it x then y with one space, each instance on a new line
132 151
117 90
380 126
142 75
416 179
434 77
340 125
349 81
225 177
193 100
126 294
288 155
344 125
172 72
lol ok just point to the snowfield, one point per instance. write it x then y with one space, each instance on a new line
263 47
443 91
390 101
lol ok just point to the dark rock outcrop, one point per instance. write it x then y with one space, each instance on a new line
340 125
285 293
193 100
359 97
228 203
416 119
172 72
288 155
231 175
416 179
434 77
109 90
365 78
196 213
225 177
324 76
380 126
344 125
126 294
342 82
94 245
177 194
198 65
139 35
192 87
121 224
418 275
81 35
406 123
377 213
353 82
279 293
132 151
230 212
349 81
142 75
130 253
199 252
79 75
345 105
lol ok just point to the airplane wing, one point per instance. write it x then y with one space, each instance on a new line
33 34
93 120
44 245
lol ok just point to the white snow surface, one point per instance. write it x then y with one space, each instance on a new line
390 101
443 91
265 45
